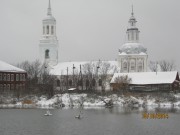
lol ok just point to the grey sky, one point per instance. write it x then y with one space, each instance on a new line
89 29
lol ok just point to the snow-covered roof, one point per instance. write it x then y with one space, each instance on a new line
61 68
5 67
132 48
149 77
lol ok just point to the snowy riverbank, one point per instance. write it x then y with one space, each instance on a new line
76 100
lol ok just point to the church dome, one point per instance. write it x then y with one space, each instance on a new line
132 48
49 17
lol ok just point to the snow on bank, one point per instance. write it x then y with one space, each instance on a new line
76 100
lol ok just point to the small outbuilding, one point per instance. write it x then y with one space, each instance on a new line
149 81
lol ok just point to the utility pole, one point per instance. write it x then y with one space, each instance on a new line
67 79
73 75
80 78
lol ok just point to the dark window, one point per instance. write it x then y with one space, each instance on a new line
12 77
23 77
43 30
47 54
52 30
20 77
4 77
17 77
48 29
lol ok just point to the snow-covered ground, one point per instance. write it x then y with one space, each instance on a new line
76 100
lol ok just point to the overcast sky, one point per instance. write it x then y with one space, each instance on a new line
89 29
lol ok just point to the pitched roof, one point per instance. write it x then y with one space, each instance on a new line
5 67
149 77
61 68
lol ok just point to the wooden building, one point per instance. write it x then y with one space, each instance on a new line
11 78
150 81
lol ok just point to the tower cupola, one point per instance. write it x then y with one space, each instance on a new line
132 30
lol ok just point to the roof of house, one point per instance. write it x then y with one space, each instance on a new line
5 67
149 77
61 68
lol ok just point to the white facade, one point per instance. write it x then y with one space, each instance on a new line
132 55
48 46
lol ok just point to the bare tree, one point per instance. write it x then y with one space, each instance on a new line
39 79
153 66
167 65
122 83
104 74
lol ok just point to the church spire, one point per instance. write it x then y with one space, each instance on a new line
132 13
49 8
132 31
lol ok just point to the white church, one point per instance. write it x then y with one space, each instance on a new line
132 56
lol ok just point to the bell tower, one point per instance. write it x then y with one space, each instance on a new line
48 46
132 55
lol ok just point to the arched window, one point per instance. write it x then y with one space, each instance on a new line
58 83
125 65
132 35
52 30
137 38
48 29
43 30
140 66
47 54
132 65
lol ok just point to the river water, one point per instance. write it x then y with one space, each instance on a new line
96 121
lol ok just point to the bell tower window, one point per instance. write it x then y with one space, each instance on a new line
43 30
47 54
48 29
52 30
125 66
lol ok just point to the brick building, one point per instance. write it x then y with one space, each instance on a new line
11 78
